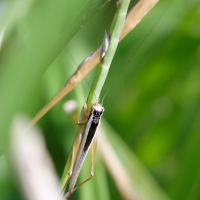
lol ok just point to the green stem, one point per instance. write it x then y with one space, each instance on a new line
102 72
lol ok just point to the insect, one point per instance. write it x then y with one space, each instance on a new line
85 139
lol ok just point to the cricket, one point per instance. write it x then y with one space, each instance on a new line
85 139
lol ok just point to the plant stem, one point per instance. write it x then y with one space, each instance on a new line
102 72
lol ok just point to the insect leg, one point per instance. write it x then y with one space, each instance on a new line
92 151
84 114
76 145
82 122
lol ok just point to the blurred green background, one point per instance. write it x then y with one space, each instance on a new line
154 106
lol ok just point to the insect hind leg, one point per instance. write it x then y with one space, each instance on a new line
76 145
67 195
92 151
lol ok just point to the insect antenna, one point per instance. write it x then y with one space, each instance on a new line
138 47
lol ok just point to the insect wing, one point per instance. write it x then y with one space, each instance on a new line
80 157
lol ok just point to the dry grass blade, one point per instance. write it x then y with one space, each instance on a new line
32 163
136 14
133 18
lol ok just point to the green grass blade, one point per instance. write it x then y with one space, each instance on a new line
116 28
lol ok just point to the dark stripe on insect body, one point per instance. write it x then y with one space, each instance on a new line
94 125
